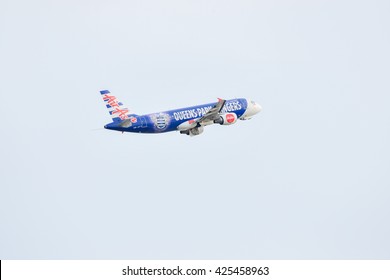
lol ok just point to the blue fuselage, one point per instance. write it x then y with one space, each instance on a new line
169 120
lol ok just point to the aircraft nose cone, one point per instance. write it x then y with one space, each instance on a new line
258 108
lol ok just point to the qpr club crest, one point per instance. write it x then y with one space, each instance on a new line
161 120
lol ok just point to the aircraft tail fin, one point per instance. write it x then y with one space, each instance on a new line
116 109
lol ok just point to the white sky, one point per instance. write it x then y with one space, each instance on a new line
308 178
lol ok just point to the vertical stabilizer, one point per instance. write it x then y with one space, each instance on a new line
116 109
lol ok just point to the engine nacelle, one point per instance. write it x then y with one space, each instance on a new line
187 125
226 119
196 131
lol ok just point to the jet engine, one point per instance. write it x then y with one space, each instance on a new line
187 125
226 119
196 131
193 131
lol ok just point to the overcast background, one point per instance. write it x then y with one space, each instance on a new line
307 178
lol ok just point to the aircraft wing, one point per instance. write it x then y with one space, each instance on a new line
213 113
210 116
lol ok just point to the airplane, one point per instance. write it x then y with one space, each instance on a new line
190 121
